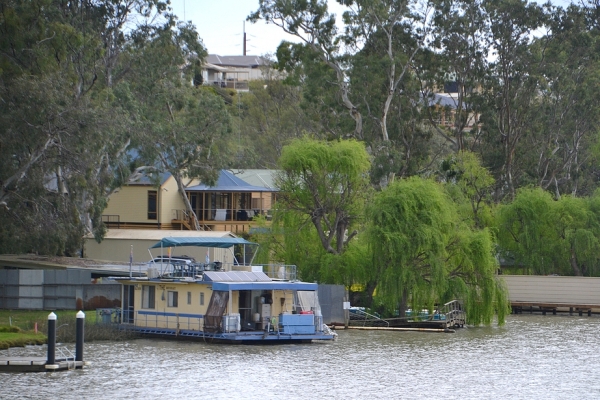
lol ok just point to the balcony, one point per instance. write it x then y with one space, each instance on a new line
240 86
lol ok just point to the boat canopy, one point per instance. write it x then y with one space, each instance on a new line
219 242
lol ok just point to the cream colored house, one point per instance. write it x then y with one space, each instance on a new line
140 204
231 205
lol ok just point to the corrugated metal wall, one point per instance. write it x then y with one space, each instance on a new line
331 298
553 289
70 289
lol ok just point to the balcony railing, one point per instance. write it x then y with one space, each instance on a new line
221 215
229 84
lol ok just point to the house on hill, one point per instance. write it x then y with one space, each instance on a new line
232 204
233 72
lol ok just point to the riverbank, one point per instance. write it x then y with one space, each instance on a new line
12 336
26 321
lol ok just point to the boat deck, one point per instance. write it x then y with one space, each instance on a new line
241 337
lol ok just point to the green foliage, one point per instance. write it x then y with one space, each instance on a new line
326 184
9 329
423 255
469 182
547 236
63 132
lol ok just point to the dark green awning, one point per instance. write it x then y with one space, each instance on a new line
219 242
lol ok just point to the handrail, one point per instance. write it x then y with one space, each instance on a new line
366 316
68 357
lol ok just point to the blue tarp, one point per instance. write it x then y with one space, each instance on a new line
219 242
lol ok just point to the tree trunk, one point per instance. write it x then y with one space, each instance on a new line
574 265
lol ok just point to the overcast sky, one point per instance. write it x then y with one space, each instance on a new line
221 25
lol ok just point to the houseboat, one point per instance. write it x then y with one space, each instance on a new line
239 303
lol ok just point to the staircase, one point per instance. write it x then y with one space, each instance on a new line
454 313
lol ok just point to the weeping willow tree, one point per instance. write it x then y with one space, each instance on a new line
423 254
323 188
547 236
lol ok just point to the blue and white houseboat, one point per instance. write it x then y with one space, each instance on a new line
214 302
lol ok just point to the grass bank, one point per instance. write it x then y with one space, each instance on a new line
12 336
24 321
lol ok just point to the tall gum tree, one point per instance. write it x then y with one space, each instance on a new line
311 22
182 128
62 133
512 87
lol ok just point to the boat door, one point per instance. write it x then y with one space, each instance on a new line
128 304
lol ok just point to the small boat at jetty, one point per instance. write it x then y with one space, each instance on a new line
238 303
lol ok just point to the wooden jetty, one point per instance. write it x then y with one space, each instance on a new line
553 294
447 318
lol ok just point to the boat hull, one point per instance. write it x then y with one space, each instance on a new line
243 337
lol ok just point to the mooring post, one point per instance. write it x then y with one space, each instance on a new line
51 339
79 337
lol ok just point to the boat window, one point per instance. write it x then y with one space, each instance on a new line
189 297
172 299
201 299
148 292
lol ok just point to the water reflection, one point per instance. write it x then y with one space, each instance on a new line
531 357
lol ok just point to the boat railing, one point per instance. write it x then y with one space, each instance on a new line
168 321
283 272
175 270
358 314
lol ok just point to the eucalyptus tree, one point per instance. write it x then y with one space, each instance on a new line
422 253
271 115
457 65
62 132
565 147
181 129
513 86
371 65
311 22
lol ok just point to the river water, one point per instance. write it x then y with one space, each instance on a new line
531 357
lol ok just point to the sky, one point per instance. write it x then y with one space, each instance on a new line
220 24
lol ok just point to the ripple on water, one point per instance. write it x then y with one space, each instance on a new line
531 357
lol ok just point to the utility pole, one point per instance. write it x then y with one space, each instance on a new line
244 37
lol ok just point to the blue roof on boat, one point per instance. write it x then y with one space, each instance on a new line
273 285
219 242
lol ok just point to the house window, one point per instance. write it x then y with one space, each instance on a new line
172 299
201 299
151 204
189 297
148 292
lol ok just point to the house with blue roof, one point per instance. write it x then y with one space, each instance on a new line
153 202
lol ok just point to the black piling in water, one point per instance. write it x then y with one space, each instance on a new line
51 339
79 336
